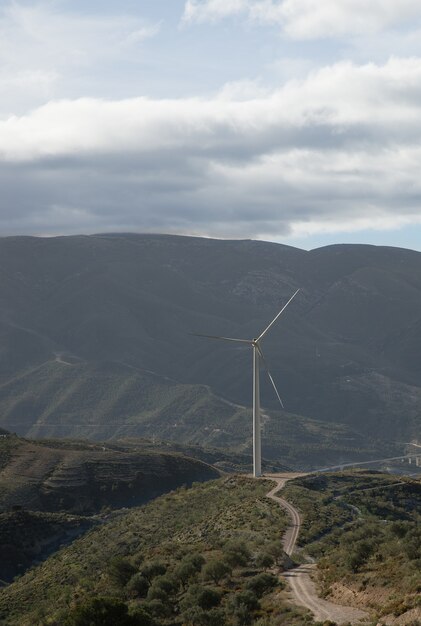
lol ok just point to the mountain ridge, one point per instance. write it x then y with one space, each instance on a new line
345 352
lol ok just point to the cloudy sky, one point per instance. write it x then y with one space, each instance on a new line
289 120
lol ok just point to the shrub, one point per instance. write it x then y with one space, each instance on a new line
195 616
156 593
185 572
208 598
216 570
120 571
195 559
167 583
264 559
204 597
158 608
137 586
151 569
237 553
245 598
262 583
105 612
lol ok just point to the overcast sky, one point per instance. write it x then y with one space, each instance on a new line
288 120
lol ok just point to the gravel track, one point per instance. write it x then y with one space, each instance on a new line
303 589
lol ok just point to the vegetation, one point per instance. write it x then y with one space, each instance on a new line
83 478
364 528
28 537
190 557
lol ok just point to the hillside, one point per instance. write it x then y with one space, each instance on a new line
364 530
84 478
191 555
95 338
28 537
117 401
195 556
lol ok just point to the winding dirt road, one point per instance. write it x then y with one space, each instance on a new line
301 584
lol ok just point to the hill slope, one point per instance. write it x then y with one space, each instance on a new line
172 543
365 529
81 478
345 352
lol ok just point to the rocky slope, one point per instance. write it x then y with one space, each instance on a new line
85 478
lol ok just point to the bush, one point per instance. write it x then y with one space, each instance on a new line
158 608
120 571
137 586
151 569
262 583
237 553
155 593
195 616
105 612
264 559
243 598
169 584
216 570
195 559
185 572
208 598
204 597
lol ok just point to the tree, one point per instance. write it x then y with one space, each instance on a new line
264 559
151 569
204 597
216 570
137 586
262 583
195 616
120 570
167 583
241 605
105 612
237 553
185 572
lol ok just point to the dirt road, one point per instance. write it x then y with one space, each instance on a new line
303 589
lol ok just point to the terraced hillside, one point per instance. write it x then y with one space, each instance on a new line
83 478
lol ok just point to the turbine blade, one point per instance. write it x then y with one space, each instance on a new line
269 375
280 313
222 338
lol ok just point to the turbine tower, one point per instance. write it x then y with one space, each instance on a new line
257 357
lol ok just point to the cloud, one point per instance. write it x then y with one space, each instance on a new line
306 19
44 48
213 10
336 150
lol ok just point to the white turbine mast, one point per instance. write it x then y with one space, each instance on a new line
257 357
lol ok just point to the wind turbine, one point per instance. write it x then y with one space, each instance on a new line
257 357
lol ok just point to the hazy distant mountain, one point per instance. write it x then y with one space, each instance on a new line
95 330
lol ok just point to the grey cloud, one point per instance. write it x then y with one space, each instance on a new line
314 154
